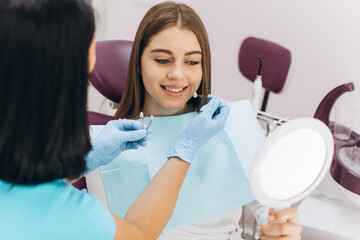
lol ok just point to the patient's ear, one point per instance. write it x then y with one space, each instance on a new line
92 56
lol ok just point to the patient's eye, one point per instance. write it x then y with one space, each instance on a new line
192 62
162 61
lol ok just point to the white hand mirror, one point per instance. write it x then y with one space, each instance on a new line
291 162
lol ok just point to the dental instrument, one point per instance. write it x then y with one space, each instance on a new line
142 119
195 95
255 97
272 125
151 119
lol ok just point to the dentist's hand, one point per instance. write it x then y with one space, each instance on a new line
211 120
115 137
282 225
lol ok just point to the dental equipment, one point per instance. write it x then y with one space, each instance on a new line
275 72
195 95
255 97
345 169
272 125
332 212
270 121
151 119
142 119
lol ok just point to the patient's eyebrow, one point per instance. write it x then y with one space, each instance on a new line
193 52
162 50
171 53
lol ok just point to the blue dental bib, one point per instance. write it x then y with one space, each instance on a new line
217 181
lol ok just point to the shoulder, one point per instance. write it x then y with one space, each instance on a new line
80 215
54 210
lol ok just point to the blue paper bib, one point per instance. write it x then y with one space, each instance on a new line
217 181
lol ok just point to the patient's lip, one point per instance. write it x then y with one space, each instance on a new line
172 90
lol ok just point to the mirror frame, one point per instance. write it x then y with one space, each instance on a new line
281 131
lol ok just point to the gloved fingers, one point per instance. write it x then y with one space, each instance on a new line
221 103
115 123
210 108
148 132
142 143
132 145
131 125
145 138
224 111
210 96
131 136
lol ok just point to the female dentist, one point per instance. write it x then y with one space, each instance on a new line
46 51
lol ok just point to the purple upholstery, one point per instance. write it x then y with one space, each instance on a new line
95 118
276 62
112 61
108 77
80 183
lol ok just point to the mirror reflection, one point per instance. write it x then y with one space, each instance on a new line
297 155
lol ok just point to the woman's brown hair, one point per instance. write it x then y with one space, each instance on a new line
158 18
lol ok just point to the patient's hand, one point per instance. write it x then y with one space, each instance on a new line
282 224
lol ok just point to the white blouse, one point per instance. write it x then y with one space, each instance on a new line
223 227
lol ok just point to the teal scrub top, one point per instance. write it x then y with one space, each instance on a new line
54 210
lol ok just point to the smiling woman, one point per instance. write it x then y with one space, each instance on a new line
170 60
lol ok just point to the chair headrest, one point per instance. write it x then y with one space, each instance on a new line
276 62
110 72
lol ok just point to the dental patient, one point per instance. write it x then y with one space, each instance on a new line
170 61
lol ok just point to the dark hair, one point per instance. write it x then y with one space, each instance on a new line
158 18
43 86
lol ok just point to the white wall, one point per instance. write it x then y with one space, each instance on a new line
323 37
115 19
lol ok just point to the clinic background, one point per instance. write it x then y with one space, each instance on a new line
323 37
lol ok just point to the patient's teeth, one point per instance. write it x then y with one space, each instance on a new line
174 90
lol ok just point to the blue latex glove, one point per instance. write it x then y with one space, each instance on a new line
211 120
115 137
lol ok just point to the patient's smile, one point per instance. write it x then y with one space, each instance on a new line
174 91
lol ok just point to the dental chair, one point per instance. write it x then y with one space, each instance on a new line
276 63
108 77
